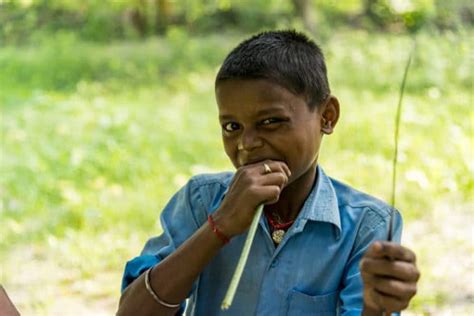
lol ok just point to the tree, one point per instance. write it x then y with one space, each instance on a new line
303 10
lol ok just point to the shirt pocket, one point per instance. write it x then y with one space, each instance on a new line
300 304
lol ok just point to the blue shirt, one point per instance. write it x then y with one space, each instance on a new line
314 270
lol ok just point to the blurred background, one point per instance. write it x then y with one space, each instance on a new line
107 108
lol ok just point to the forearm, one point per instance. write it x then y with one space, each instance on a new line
172 279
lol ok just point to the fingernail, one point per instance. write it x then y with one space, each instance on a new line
378 245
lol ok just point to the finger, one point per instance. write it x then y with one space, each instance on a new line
278 166
385 295
285 168
380 249
374 250
402 270
269 194
275 178
388 303
400 290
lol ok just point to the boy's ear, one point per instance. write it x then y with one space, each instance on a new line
329 114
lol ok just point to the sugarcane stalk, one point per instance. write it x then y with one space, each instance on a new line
234 283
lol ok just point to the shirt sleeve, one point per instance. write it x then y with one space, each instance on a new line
178 221
375 227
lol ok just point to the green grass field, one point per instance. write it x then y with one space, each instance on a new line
95 138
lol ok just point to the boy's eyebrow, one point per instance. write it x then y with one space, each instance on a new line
266 111
271 110
225 117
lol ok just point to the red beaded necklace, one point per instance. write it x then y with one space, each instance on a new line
277 225
278 229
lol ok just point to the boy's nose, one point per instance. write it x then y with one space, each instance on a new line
249 140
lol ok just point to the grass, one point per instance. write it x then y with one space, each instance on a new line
96 138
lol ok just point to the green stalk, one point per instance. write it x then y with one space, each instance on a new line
229 297
397 129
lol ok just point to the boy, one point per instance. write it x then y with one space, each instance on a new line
314 252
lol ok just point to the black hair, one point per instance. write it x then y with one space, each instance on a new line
287 58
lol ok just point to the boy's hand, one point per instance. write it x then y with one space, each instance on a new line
390 276
250 187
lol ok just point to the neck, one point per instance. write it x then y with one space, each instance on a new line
294 195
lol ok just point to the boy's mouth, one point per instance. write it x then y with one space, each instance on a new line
253 160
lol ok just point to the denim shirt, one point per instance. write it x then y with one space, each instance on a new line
313 271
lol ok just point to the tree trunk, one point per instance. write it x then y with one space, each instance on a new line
163 15
303 10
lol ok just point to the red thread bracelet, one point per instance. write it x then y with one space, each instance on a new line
216 231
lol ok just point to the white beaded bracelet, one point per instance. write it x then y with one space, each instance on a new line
153 294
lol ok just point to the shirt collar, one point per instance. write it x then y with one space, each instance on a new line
321 204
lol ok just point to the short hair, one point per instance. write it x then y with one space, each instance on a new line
287 58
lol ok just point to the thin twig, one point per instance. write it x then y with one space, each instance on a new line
396 136
395 154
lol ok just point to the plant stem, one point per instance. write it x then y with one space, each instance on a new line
397 129
229 297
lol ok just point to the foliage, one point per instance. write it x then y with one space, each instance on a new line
96 138
59 62
21 21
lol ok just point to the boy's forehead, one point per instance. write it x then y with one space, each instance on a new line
257 95
257 84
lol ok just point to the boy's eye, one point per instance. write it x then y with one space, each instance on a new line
230 127
270 121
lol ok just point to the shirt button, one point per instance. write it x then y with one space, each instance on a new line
274 264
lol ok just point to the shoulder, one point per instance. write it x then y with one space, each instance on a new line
364 216
209 188
210 183
367 209
211 179
190 206
349 196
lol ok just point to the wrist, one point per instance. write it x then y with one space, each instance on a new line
223 223
223 237
369 311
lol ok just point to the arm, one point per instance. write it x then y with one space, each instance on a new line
199 249
232 218
372 282
6 306
372 227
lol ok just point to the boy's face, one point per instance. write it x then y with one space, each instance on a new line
261 120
